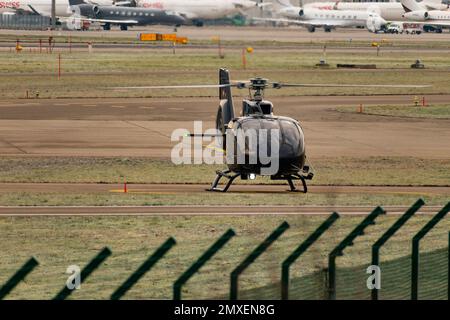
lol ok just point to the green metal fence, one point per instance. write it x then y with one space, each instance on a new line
416 275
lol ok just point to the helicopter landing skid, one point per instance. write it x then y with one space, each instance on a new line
225 174
292 185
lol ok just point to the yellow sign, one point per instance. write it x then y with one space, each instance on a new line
169 37
162 37
147 37
182 40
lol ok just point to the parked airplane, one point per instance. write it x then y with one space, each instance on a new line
414 11
123 16
328 19
199 10
391 11
41 7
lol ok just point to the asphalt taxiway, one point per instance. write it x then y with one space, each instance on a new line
201 210
143 127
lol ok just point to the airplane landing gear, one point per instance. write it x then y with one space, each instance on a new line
107 26
123 27
311 28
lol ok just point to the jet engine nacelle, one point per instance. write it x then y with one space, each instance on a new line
375 23
95 10
417 15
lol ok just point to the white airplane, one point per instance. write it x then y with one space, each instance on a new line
328 19
414 11
41 7
199 10
391 11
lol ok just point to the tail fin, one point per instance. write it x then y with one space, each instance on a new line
226 99
76 2
411 5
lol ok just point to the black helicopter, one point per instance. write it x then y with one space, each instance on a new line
257 114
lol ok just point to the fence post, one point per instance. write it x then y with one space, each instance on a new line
234 277
415 249
17 277
348 241
388 234
300 250
59 66
200 262
88 269
448 274
146 266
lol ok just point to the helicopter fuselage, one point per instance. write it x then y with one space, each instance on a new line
268 142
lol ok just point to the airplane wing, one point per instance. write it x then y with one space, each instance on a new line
27 10
437 23
99 20
293 21
38 11
188 15
249 3
110 21
315 23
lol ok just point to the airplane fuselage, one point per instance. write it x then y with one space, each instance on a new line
42 6
142 16
199 9
391 11
433 15
319 17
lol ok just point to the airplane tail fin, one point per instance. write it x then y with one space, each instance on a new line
411 5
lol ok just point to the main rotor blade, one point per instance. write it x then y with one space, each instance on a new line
176 87
314 85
